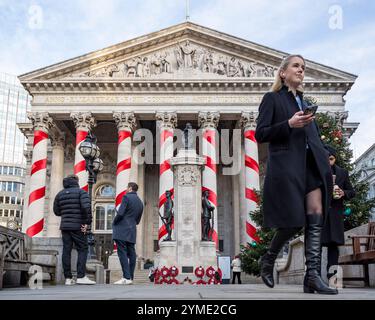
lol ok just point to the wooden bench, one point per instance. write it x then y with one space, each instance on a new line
16 255
361 257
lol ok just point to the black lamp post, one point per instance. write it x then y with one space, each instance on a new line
91 152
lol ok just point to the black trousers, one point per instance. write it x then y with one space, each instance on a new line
80 241
238 275
332 257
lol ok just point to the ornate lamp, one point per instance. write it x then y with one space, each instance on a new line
91 152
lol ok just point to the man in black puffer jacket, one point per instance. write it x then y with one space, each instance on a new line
74 206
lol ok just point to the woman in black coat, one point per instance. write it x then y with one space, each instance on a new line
298 180
333 231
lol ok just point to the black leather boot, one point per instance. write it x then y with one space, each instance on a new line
312 281
267 261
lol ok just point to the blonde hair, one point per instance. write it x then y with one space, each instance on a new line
279 82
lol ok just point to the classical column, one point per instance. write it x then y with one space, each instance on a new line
251 172
166 122
42 122
208 122
84 122
126 123
56 182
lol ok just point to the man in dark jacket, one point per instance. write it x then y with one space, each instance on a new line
125 231
73 205
333 231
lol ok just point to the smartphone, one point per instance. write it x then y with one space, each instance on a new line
310 110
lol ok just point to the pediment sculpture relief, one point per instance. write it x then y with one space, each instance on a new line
185 59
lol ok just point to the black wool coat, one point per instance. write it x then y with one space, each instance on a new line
73 205
333 231
128 216
285 178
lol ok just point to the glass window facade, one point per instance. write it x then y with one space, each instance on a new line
14 104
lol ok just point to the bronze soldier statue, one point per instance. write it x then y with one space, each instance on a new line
207 215
168 215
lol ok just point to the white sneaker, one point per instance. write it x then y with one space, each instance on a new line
123 281
85 280
69 282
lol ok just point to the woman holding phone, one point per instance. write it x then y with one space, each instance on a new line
298 180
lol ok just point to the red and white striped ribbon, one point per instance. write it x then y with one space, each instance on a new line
80 162
251 181
166 175
123 164
38 175
209 179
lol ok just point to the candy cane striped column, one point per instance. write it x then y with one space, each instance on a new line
166 124
208 122
248 122
84 122
126 123
42 122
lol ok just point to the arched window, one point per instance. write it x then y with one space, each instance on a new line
106 191
104 207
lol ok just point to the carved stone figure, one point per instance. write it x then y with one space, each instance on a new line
233 68
208 62
180 61
207 215
165 65
155 65
132 68
221 66
187 54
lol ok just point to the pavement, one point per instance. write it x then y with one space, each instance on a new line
177 292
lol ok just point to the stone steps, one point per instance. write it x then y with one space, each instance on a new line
141 277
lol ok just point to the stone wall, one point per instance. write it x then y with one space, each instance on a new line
291 271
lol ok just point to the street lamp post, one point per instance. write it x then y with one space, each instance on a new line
91 152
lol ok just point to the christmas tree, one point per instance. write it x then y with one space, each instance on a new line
356 212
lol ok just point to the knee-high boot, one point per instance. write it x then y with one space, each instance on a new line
312 281
267 261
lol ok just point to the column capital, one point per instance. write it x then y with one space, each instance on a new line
208 119
248 119
125 120
83 120
57 138
41 121
166 119
339 116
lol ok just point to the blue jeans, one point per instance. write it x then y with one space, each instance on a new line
127 256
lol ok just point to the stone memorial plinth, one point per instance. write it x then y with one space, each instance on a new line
186 250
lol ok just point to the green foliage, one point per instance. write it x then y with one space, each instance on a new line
331 134
360 206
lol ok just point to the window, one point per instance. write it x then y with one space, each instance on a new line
106 191
13 200
104 214
6 212
1 199
11 171
17 213
99 218
1 212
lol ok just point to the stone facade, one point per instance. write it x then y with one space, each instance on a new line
185 70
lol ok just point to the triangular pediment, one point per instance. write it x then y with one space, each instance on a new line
184 51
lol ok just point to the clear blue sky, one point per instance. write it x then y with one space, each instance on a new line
38 33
